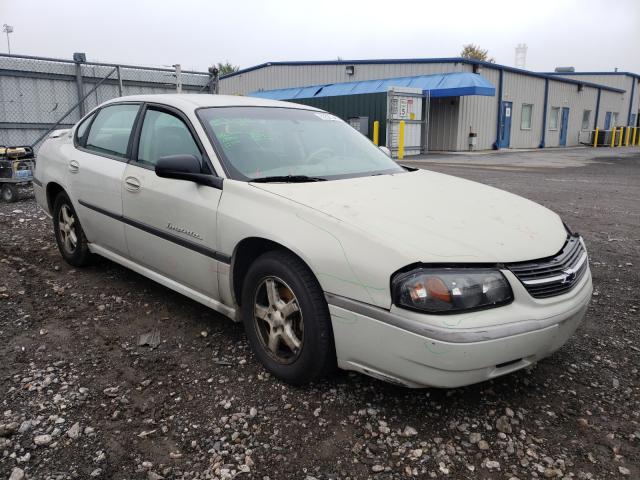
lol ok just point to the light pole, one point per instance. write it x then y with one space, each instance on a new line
8 29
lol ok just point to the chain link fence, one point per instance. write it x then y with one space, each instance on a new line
38 95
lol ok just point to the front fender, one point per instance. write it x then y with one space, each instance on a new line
342 258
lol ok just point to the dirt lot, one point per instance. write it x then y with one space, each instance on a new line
80 397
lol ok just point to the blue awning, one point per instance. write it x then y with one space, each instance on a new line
441 85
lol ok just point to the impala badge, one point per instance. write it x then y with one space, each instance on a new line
175 228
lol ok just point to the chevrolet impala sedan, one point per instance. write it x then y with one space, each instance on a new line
285 218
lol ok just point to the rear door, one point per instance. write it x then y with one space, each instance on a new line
95 167
170 224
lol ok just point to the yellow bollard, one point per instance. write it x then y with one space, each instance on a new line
620 137
613 138
401 140
626 138
376 132
633 139
595 138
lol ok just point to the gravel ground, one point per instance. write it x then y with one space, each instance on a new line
81 397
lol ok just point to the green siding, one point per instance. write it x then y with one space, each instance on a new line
372 105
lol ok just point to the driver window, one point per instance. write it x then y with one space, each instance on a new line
164 134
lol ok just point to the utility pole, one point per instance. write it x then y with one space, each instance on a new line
8 29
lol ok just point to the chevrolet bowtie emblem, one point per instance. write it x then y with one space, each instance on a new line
569 276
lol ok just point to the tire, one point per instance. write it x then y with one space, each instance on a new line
9 193
76 252
310 324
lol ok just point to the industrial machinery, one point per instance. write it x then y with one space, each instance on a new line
16 171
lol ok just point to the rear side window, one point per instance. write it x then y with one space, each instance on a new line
164 134
111 129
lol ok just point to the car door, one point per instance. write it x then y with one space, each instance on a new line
96 162
171 224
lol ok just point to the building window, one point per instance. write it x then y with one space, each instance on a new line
553 118
614 119
525 119
586 119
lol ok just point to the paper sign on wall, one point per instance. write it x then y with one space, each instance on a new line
404 108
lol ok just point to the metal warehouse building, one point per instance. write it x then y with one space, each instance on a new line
452 104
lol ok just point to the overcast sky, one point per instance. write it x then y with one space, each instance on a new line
586 34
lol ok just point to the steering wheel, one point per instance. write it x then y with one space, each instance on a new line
316 156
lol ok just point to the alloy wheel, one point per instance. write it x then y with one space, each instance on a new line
67 230
278 320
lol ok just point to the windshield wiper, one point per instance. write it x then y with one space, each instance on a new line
288 179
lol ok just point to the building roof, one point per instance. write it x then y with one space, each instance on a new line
440 85
391 61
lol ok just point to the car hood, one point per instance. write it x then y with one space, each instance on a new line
432 217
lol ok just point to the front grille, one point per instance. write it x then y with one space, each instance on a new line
556 275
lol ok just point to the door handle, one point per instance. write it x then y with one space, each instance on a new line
132 184
74 166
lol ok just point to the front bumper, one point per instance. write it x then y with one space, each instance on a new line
419 350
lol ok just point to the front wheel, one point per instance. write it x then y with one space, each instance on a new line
72 243
286 318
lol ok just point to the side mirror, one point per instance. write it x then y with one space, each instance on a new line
385 150
185 167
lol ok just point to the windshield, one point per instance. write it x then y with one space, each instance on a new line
291 144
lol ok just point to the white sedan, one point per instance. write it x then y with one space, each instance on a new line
284 217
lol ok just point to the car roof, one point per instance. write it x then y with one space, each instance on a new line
192 101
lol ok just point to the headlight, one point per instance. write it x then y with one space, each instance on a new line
448 290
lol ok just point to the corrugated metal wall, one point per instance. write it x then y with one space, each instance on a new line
283 76
635 103
615 81
443 124
479 113
612 102
566 95
521 90
373 105
621 81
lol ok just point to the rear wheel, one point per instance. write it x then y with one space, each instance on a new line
287 319
9 193
72 243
